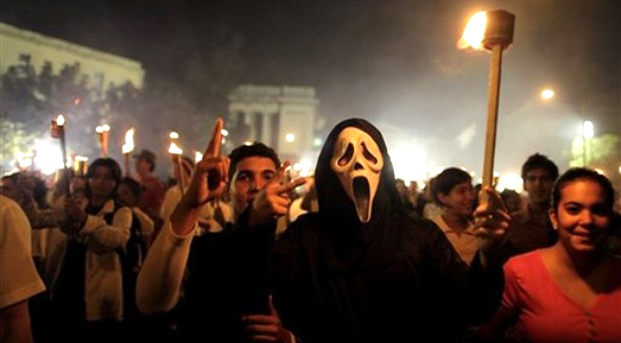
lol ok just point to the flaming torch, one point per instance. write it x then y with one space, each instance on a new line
80 165
103 131
175 154
127 148
493 31
58 131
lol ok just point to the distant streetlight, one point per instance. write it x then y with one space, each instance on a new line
290 137
547 94
588 131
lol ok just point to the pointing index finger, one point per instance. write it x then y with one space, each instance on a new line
213 150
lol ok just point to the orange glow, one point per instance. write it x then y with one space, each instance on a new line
473 34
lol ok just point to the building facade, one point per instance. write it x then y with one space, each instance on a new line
98 68
281 117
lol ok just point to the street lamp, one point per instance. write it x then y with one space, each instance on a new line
587 133
547 94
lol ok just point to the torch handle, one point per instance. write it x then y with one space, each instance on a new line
66 175
492 116
179 173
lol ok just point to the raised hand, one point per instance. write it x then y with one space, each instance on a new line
208 182
266 328
273 200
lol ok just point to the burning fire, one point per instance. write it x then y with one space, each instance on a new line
60 120
102 128
174 149
473 34
129 141
173 135
198 156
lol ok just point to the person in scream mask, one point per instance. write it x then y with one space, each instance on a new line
359 270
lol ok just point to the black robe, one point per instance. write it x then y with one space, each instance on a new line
394 279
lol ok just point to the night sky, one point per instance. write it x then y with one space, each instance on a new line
393 62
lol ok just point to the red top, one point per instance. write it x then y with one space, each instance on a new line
547 314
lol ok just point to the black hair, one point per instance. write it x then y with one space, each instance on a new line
538 161
576 174
134 186
253 150
109 163
446 180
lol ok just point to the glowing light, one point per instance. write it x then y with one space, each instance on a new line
587 129
599 171
48 157
547 94
305 167
173 135
511 181
409 162
473 34
247 143
224 132
317 142
198 156
60 120
129 141
174 149
290 137
102 128
297 167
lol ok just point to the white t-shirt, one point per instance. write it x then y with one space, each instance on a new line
19 279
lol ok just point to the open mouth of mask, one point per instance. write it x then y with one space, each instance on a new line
362 197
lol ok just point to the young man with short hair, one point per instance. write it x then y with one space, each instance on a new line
227 290
531 228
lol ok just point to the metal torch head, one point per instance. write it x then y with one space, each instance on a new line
499 29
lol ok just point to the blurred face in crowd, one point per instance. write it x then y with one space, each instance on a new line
143 167
102 183
459 199
126 197
252 174
582 216
401 189
8 189
538 183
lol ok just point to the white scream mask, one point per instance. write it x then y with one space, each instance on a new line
357 162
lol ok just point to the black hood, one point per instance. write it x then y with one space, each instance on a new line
333 200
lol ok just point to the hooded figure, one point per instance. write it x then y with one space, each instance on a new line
359 270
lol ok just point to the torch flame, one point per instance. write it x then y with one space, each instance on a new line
129 141
198 156
174 149
173 135
60 120
102 128
473 34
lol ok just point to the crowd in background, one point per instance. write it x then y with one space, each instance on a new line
89 236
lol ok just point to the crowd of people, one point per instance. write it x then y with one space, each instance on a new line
234 250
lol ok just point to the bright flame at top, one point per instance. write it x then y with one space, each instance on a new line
102 128
198 156
60 120
129 141
174 149
81 158
224 132
173 135
473 34
290 137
